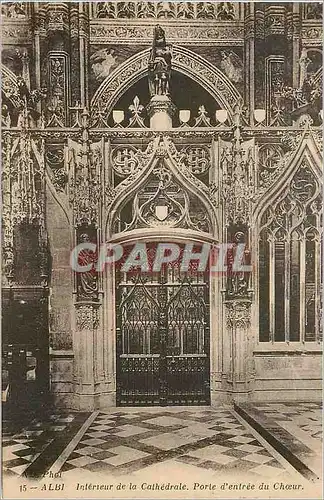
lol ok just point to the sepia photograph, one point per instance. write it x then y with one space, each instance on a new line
162 178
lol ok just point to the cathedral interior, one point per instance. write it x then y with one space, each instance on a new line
137 124
155 122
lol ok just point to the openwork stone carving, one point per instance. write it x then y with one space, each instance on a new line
87 317
223 34
14 10
275 158
54 157
237 163
172 174
196 159
125 160
162 202
270 156
85 166
290 231
238 313
222 11
57 104
23 192
313 10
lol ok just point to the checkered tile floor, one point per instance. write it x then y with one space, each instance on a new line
20 450
306 416
122 443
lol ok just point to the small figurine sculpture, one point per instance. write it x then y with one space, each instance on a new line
304 62
159 65
87 281
237 282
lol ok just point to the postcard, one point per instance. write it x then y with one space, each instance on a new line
161 249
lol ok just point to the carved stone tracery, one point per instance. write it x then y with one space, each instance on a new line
237 163
162 158
87 317
23 179
221 11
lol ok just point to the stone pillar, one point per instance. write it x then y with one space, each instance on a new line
161 110
84 29
85 343
218 345
249 36
296 35
57 64
241 374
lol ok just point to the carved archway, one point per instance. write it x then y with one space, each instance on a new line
307 151
9 85
184 61
159 159
286 230
126 189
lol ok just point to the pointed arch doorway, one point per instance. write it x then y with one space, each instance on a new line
162 316
163 334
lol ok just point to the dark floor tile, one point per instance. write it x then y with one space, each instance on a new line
236 453
26 452
275 463
9 464
66 467
74 455
102 455
99 467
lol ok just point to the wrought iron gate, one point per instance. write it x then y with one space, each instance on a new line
163 337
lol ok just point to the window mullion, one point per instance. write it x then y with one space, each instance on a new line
317 288
287 288
271 288
302 289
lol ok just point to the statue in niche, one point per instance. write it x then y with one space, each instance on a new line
304 62
5 116
237 282
88 280
159 65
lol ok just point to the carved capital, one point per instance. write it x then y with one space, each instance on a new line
159 104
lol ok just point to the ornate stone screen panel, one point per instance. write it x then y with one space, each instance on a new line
290 261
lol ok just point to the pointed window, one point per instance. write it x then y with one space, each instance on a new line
289 263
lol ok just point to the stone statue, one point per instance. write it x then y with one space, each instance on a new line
87 281
159 65
304 62
237 282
